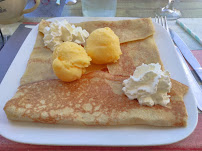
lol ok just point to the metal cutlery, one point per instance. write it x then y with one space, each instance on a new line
181 47
187 53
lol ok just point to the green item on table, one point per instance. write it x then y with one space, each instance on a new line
189 31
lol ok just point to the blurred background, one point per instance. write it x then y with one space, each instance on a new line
125 8
191 11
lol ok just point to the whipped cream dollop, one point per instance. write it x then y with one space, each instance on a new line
61 31
149 85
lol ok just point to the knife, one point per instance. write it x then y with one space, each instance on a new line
197 90
187 53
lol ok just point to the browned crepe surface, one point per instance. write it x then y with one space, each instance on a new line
95 99
39 66
134 54
126 30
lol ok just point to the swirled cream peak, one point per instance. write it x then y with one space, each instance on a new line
149 85
61 31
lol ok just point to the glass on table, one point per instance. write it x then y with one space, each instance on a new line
169 11
99 8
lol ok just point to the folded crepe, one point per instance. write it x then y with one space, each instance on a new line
39 66
126 30
135 53
96 98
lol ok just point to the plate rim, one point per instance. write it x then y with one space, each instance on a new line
102 18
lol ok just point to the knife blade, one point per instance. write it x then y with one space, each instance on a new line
194 84
187 53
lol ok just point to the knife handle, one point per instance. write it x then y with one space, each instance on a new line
199 73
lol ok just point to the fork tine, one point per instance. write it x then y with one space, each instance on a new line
166 24
162 21
158 20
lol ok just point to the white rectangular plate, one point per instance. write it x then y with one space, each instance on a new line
36 133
